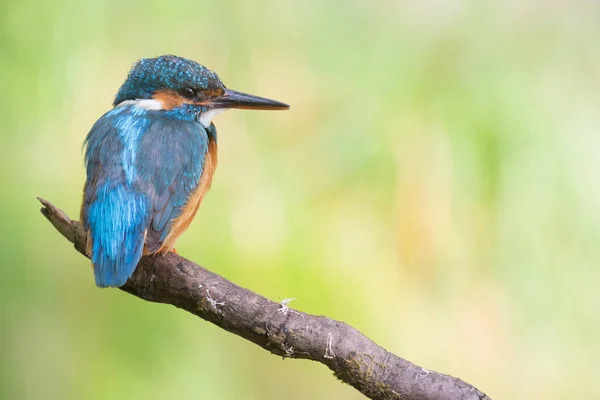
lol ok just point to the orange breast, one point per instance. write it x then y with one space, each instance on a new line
182 222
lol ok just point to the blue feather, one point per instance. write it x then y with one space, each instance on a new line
117 220
131 127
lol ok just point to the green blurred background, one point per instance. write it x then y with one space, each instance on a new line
435 185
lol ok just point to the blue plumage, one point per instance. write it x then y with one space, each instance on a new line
142 166
150 160
118 217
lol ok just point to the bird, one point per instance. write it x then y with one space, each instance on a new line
150 161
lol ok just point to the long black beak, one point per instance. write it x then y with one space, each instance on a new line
233 99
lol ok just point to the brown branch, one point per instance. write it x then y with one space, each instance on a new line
353 357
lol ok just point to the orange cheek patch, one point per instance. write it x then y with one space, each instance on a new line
169 99
208 95
213 92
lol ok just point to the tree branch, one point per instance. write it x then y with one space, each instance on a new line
354 358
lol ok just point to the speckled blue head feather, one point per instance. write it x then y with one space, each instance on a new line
165 72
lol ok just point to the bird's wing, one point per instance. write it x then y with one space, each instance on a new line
170 163
141 168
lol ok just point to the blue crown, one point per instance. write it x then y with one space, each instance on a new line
165 72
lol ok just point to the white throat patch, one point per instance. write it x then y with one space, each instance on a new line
206 117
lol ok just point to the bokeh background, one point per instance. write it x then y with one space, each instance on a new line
435 185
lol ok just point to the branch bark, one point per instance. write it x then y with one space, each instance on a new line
354 358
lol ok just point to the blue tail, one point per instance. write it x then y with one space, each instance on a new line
117 218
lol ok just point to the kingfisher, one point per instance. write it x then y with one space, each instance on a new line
150 160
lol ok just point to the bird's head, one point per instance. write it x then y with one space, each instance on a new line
170 83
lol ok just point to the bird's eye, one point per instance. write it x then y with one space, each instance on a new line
189 93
